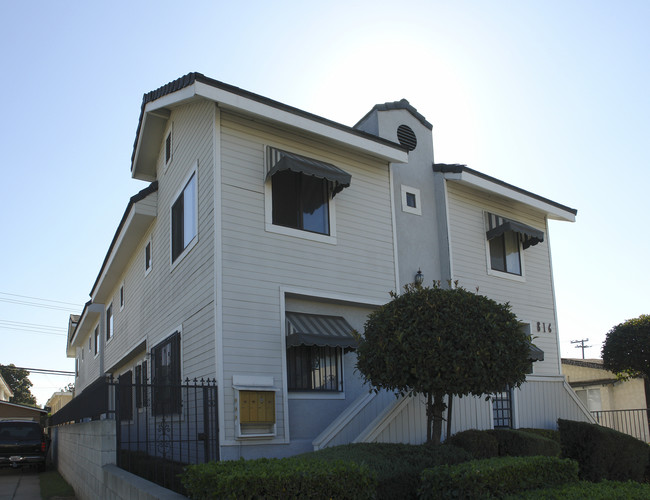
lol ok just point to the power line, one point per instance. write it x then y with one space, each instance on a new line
19 325
43 300
42 371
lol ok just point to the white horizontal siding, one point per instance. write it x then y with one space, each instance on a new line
256 263
181 296
532 300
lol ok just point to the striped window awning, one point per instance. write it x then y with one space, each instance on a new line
319 330
282 160
499 225
535 353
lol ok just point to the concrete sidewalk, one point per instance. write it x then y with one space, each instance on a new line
19 484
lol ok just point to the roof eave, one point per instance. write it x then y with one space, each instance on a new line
88 318
155 114
483 182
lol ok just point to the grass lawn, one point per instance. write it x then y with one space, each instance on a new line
53 485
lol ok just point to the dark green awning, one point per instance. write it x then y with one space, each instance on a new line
338 179
499 225
535 353
319 330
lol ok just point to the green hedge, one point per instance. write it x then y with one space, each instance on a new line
516 443
504 442
279 478
496 477
481 444
547 433
603 453
397 466
605 490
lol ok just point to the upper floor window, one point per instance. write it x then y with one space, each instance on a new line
184 218
147 257
168 147
300 201
506 240
504 253
109 322
96 340
301 193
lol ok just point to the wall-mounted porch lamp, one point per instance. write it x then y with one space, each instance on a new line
419 277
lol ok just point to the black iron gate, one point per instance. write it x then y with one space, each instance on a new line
162 428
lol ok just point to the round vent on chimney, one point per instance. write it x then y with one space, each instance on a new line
406 137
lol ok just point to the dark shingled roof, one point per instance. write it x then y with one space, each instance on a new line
401 104
191 78
456 168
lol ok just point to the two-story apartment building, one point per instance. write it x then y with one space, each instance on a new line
268 234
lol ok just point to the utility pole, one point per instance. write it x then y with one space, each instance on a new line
581 345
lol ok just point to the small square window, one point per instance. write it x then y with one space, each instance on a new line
411 200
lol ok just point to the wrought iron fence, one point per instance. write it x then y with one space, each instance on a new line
632 422
162 428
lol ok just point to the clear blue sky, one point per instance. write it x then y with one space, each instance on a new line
552 96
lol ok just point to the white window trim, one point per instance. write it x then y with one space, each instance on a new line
170 134
417 210
500 274
194 171
110 306
149 243
253 383
97 339
289 231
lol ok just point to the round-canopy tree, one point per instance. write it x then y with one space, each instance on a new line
626 350
436 341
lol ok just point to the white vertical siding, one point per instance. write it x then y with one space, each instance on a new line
532 299
256 263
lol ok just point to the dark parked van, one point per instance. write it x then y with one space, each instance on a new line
22 443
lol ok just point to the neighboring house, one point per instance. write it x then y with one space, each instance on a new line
58 400
13 411
5 391
267 234
620 404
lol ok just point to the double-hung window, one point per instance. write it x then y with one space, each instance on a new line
301 192
506 240
184 218
166 364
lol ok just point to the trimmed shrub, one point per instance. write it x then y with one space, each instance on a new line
547 433
605 490
603 453
481 444
397 466
496 477
279 478
516 443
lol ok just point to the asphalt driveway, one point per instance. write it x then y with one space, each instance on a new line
20 484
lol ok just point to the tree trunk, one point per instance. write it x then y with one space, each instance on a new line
435 410
451 398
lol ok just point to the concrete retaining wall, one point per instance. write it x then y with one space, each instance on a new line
84 455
